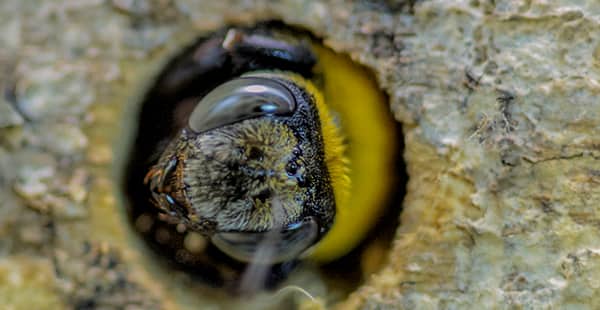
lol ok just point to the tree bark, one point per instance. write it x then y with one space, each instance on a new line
498 101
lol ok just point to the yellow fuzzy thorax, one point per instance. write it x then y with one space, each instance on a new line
368 130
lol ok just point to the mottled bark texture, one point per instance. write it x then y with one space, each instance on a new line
498 101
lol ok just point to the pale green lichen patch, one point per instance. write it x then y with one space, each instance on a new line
25 284
8 116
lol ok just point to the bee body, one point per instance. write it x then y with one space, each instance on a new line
260 147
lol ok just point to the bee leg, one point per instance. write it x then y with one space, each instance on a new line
206 60
162 180
158 174
222 57
256 51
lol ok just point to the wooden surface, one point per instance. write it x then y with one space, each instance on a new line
498 100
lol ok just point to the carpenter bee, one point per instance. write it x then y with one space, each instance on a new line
270 146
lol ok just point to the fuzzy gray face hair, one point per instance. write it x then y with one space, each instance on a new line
246 177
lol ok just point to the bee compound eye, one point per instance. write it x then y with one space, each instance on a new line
241 99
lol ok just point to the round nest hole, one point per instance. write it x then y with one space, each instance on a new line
165 112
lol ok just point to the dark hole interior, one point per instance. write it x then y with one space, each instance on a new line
159 121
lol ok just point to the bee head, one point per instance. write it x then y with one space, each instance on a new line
249 170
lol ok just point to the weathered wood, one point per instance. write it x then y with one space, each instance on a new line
498 101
